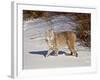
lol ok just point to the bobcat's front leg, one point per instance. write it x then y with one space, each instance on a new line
49 52
56 51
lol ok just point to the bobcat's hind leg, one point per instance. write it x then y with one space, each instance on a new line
69 46
75 53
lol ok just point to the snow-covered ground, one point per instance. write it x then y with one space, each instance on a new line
35 46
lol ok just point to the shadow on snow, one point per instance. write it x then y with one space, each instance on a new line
51 54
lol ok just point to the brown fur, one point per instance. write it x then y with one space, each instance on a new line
58 40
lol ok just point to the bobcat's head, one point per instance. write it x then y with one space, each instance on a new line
50 38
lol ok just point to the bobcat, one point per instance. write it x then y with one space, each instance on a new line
57 40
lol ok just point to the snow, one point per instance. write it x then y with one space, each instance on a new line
35 46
